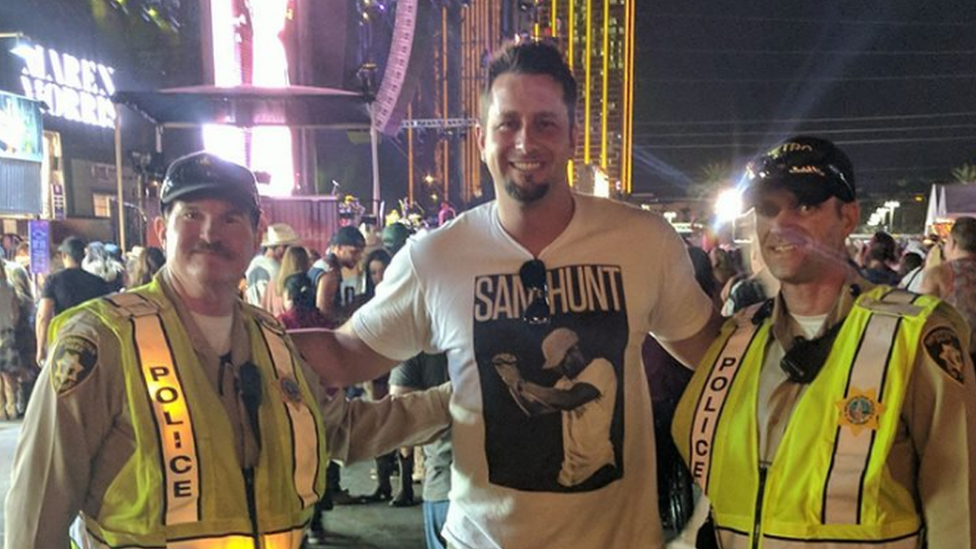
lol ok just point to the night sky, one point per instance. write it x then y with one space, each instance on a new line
892 82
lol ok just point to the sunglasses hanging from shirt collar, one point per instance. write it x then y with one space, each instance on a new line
533 277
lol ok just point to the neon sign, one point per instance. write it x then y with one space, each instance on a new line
73 88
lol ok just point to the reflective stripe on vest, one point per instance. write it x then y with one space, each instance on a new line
180 462
845 482
307 459
712 400
291 539
736 540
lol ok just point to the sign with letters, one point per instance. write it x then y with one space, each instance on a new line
74 88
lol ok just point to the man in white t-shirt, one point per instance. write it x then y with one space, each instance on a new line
498 280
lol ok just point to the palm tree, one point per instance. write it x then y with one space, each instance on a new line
965 174
712 177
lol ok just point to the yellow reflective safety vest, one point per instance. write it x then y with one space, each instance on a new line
183 487
828 486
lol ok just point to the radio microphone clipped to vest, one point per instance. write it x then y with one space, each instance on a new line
806 357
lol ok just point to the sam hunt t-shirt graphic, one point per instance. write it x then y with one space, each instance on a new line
552 392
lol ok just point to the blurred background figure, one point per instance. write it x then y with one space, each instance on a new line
880 254
394 236
954 280
911 268
445 214
723 268
337 275
298 302
10 364
100 263
263 269
145 265
66 288
294 261
376 263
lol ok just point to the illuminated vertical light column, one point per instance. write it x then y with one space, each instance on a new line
271 147
587 86
445 112
263 22
571 59
225 141
626 149
410 154
605 87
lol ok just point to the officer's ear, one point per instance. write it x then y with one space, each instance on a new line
159 226
850 213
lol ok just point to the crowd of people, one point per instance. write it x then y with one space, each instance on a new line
83 270
814 402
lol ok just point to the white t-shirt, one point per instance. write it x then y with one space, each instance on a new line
615 274
586 428
216 329
261 272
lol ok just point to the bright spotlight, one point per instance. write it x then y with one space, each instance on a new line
728 206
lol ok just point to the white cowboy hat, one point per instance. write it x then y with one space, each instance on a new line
281 234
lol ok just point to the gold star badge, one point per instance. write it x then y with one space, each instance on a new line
860 410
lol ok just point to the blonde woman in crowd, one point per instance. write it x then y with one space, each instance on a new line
294 261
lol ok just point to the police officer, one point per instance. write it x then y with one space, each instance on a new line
837 414
175 415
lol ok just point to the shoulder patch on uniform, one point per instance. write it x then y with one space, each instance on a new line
943 346
73 360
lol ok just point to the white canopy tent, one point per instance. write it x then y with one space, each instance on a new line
948 202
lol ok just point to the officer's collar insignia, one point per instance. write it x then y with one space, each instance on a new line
73 360
860 410
290 391
942 345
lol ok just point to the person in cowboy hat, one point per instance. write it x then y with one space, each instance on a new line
264 266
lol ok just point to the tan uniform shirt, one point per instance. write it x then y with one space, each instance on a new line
74 443
934 454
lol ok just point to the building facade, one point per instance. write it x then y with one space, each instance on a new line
71 57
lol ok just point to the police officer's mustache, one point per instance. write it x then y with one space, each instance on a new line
213 248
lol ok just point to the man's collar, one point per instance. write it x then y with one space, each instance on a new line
785 329
240 348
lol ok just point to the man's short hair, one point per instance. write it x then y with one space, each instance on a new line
531 58
348 236
964 233
74 248
883 247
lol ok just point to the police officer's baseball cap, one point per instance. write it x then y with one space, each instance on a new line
811 168
205 175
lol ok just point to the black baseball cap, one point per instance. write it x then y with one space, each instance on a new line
813 169
205 175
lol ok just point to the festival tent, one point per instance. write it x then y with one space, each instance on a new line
948 202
